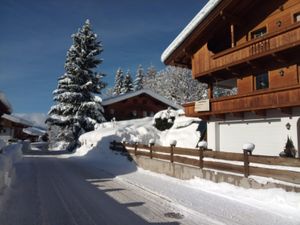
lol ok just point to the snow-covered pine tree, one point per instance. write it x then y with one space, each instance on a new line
139 79
77 108
149 79
118 82
127 83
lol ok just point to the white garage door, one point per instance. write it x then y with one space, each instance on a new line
269 137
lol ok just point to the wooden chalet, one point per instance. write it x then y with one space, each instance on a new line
137 104
11 127
250 49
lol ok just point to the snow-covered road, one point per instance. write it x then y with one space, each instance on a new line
58 191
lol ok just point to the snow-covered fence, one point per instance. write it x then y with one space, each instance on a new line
284 169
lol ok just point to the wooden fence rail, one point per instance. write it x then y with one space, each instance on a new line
242 163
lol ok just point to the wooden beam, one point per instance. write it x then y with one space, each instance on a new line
209 91
287 111
238 114
279 58
232 35
231 17
261 112
205 118
220 116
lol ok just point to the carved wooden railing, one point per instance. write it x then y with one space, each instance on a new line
259 100
281 40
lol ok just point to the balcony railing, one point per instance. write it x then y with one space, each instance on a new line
259 100
266 45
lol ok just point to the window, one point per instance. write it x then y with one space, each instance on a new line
144 113
262 81
258 33
224 88
112 111
134 113
297 17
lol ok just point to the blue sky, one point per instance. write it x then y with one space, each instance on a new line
36 35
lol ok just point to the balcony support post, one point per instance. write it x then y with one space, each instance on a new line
232 35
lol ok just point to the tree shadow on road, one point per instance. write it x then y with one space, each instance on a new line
80 190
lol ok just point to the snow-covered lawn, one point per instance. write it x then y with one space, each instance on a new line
188 194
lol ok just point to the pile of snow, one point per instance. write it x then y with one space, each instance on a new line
184 132
2 144
10 155
166 114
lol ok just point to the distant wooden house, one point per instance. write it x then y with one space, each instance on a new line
34 134
11 127
137 104
250 49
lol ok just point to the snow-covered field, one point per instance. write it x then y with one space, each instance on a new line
188 194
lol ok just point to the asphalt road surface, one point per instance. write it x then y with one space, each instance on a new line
49 190
54 191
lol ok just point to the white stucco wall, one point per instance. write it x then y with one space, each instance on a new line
269 134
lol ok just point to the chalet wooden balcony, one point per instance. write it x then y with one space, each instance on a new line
257 102
278 47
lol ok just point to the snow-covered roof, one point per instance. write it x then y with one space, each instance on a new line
33 131
122 97
16 119
5 102
204 12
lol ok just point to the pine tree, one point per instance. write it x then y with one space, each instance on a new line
139 79
77 108
149 79
118 82
127 83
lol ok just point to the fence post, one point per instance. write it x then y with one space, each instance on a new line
135 148
247 149
246 163
201 158
202 145
151 144
172 144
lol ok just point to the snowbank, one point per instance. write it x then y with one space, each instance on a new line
10 155
184 131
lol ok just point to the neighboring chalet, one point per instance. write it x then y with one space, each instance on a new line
11 127
252 49
137 104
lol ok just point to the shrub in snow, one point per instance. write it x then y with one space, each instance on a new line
78 109
164 120
289 149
